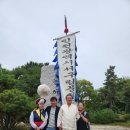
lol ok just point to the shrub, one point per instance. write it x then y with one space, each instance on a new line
104 116
123 117
15 106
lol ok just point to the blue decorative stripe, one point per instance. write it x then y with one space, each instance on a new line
56 52
57 70
76 88
60 99
59 89
75 72
58 83
57 74
56 66
55 44
75 56
76 63
55 59
76 98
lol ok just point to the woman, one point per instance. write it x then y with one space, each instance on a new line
83 121
38 117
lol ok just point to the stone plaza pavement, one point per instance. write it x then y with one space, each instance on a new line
108 127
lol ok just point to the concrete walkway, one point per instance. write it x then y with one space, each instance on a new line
107 127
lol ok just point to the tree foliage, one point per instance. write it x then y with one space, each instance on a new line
103 116
7 80
126 94
14 103
111 86
18 88
87 93
83 87
14 106
28 77
115 92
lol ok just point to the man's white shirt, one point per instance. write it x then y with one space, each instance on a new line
68 116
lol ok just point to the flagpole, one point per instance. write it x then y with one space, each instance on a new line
66 30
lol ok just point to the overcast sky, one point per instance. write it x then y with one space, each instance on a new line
27 29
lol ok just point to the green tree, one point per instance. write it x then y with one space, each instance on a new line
7 80
125 94
111 86
127 99
115 94
28 77
102 92
14 106
87 93
83 87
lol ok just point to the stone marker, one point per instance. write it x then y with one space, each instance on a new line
48 78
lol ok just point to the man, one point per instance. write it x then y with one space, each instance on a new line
68 115
38 117
52 111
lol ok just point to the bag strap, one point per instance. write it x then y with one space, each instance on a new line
85 113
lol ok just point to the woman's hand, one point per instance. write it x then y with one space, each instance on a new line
81 115
84 119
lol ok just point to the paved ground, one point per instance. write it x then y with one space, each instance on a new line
107 127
